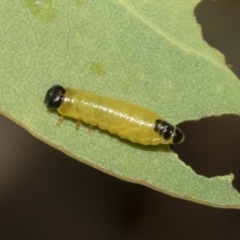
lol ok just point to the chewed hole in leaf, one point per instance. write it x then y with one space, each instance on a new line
212 147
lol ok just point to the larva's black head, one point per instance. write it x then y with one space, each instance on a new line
54 96
168 131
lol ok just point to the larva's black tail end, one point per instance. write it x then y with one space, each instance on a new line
54 96
177 136
170 133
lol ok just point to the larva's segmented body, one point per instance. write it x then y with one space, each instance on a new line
124 119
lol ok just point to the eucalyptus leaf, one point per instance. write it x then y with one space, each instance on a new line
150 53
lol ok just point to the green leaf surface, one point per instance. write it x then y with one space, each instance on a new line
150 53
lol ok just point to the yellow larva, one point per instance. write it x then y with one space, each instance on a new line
124 119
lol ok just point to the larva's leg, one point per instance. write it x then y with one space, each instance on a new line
89 128
60 120
78 123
